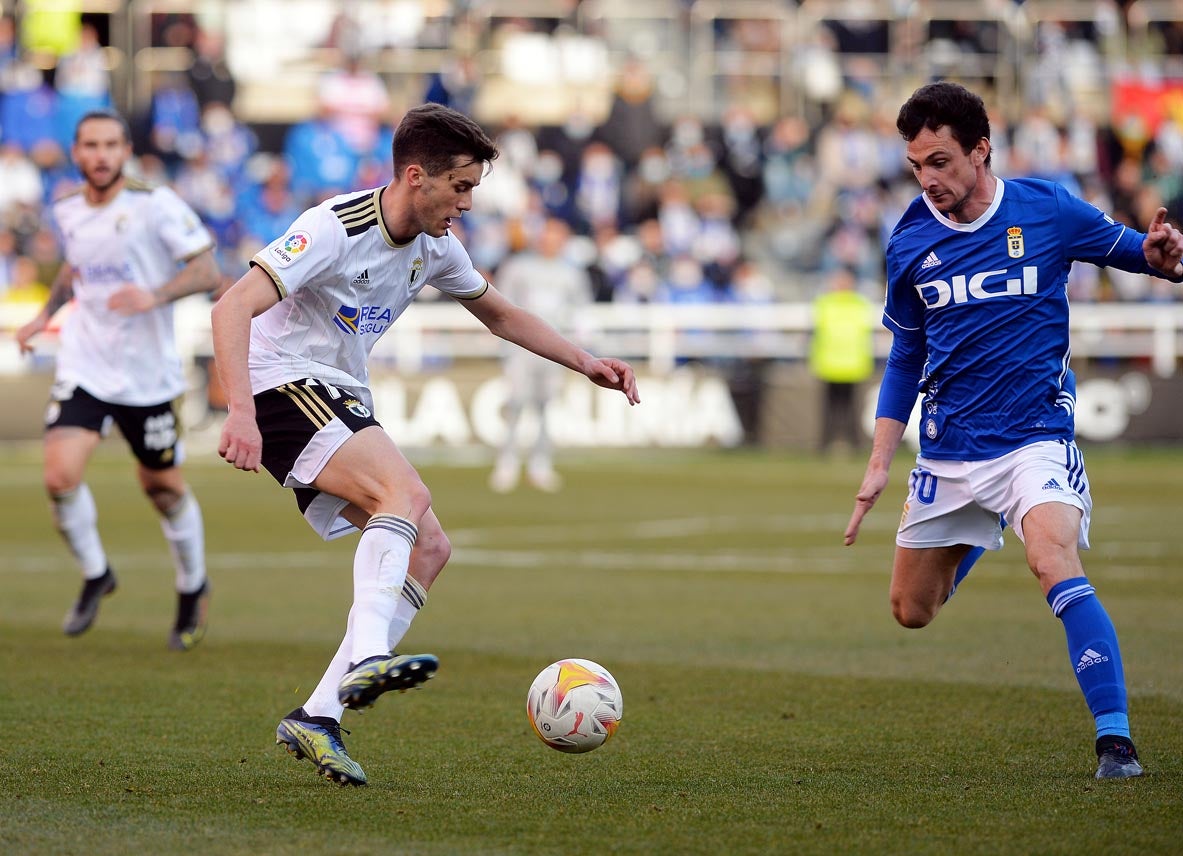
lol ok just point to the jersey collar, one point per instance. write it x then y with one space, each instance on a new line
382 222
983 218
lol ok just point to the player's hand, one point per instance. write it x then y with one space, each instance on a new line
868 493
612 373
131 300
1163 246
28 331
241 443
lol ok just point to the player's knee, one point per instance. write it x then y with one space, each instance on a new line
60 482
406 500
911 614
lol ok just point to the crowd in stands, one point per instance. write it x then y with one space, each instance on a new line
684 211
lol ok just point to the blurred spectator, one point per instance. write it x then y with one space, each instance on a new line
174 120
847 150
545 282
632 125
227 142
599 187
50 26
642 189
24 286
354 102
456 84
679 220
789 173
268 208
21 187
8 44
201 183
322 163
83 83
742 160
841 356
28 109
209 75
546 179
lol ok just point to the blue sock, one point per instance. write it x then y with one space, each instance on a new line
1092 647
968 562
963 568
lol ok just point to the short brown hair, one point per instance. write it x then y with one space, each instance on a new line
434 136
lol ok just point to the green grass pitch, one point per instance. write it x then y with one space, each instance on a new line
771 705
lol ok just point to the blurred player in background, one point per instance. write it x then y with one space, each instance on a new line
130 251
554 288
977 269
292 339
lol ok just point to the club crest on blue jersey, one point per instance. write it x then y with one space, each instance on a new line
1014 242
357 320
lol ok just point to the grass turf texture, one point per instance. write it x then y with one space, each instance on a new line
771 704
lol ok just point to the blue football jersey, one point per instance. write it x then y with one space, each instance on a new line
988 301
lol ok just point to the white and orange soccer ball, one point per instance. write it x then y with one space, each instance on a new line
574 705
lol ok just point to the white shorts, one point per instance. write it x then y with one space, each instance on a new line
965 502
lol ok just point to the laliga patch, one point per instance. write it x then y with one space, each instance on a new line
286 251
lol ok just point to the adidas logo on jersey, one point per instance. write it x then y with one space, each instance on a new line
1052 484
930 261
1090 658
362 278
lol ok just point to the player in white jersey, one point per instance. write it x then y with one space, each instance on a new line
130 251
977 303
292 338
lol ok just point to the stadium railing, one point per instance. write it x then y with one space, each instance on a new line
662 336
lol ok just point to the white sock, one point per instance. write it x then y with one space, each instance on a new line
77 519
324 701
414 596
182 527
379 571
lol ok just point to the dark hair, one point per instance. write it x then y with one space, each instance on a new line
434 136
936 105
104 113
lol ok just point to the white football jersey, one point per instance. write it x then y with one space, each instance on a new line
342 283
139 237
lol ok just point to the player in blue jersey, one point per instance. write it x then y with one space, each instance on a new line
976 276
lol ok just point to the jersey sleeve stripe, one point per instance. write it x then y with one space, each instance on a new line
275 280
474 295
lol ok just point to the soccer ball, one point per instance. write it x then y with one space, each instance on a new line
574 705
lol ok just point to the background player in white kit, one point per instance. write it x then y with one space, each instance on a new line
292 339
977 270
543 280
130 251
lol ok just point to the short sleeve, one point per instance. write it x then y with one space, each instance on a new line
303 253
178 226
456 275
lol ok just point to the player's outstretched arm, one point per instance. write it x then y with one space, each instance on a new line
1163 246
888 433
514 324
255 293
